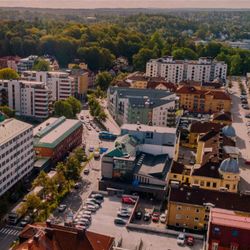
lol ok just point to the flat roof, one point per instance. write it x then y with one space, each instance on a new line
54 130
10 128
147 128
228 218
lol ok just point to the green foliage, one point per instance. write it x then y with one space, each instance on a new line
141 58
8 74
235 65
7 111
41 65
96 109
68 108
103 80
184 53
79 154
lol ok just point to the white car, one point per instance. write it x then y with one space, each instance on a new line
163 218
181 239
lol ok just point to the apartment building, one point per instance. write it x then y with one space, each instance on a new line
60 84
175 71
198 100
26 63
27 98
9 62
16 152
144 106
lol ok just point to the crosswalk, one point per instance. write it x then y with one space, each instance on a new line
8 230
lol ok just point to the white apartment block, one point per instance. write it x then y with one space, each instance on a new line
60 84
27 98
26 63
16 152
175 71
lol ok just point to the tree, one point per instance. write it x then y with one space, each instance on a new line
79 154
8 74
33 202
184 53
7 111
63 108
103 80
41 65
236 64
75 104
142 57
72 168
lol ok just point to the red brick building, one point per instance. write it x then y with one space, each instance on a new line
56 137
228 231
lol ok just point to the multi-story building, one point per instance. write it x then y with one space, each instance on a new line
190 207
60 84
27 98
26 63
16 152
55 137
9 62
202 100
228 230
144 106
175 71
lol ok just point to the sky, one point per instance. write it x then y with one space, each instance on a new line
126 3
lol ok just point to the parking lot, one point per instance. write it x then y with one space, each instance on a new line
103 222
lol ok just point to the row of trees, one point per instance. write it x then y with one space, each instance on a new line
54 189
95 109
68 108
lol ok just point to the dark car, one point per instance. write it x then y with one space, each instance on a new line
25 221
138 215
119 221
155 216
147 217
86 171
97 196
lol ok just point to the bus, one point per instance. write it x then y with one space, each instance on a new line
107 135
14 216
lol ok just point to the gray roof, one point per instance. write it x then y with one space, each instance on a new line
140 102
147 93
231 150
229 165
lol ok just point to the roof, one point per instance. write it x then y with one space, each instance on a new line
209 169
154 83
10 128
231 150
211 134
41 237
53 131
198 196
204 127
230 165
229 131
228 218
222 117
177 168
147 128
141 102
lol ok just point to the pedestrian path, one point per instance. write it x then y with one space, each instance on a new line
10 230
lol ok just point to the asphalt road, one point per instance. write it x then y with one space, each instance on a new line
7 235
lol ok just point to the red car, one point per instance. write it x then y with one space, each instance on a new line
190 241
247 162
128 200
155 217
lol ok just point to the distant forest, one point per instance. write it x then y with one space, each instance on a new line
101 35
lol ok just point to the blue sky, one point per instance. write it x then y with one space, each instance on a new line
127 3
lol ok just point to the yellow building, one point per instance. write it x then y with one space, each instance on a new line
190 207
198 100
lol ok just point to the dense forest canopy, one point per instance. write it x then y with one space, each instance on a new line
99 36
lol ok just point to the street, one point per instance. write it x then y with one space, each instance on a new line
243 139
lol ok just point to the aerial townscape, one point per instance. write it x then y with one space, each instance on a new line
124 128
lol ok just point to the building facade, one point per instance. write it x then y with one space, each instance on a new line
27 98
16 152
198 100
26 63
228 230
9 62
56 137
175 71
144 106
60 84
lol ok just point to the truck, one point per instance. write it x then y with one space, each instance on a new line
14 216
107 135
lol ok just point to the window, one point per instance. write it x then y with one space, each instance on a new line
197 210
227 186
208 184
196 181
179 207
214 185
175 176
196 219
202 183
215 246
178 216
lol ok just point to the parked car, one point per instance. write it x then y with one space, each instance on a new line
90 203
155 216
62 208
84 220
86 171
123 214
97 196
247 162
77 185
138 215
245 106
147 217
119 221
190 240
247 116
181 239
80 227
85 216
96 154
163 218
25 221
128 200
91 149
98 202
